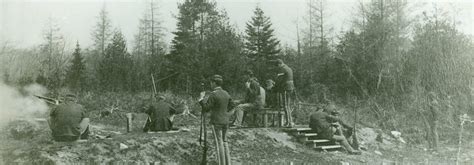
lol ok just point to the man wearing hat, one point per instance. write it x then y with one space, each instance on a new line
159 113
270 93
322 121
285 87
339 125
68 121
254 98
218 104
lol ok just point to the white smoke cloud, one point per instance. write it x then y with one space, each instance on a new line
15 103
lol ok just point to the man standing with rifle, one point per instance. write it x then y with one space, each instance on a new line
218 104
285 88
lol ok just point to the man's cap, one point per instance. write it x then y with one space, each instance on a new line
161 97
270 81
279 61
248 72
70 95
216 78
335 112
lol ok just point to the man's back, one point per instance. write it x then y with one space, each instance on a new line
217 104
255 94
66 119
318 121
159 114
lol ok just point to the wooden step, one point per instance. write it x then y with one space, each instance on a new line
299 129
317 141
307 135
328 147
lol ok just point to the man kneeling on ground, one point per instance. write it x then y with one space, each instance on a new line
68 121
321 123
159 116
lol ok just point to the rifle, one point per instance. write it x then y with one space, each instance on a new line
203 134
49 100
355 142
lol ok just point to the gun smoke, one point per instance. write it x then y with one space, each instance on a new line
18 103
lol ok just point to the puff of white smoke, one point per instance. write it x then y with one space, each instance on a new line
14 104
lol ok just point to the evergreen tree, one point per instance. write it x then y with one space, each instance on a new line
261 44
101 36
52 55
114 70
75 77
204 44
102 32
149 47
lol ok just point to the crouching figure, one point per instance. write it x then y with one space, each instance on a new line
68 120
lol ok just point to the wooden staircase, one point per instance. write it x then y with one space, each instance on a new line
310 139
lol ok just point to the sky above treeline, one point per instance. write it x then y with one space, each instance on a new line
23 21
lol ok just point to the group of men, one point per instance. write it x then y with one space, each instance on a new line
69 123
221 106
68 120
275 95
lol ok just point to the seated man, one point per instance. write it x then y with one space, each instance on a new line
270 94
68 121
159 113
320 122
254 98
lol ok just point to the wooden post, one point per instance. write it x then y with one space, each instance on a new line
129 122
265 119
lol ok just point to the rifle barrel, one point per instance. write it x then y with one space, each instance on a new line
48 100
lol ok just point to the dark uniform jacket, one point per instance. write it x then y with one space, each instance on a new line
65 120
285 81
320 122
255 94
218 104
160 113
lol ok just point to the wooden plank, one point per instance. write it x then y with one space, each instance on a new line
308 135
328 147
317 141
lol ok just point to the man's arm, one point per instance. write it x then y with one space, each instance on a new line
207 105
172 109
254 88
337 119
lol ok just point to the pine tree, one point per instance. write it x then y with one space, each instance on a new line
114 70
52 55
101 35
102 32
149 47
261 44
75 77
204 44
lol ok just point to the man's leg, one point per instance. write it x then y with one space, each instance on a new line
239 113
147 125
84 125
219 144
343 141
226 145
286 106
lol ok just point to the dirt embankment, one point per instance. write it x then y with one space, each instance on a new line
248 146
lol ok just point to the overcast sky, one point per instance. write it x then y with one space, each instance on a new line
22 21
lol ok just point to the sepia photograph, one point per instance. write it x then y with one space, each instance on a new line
220 82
